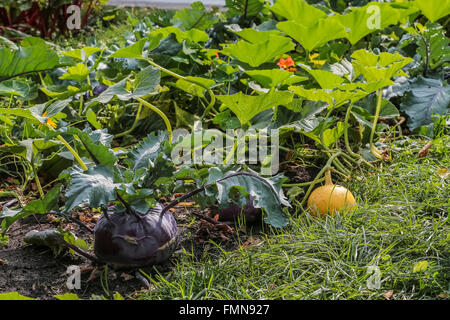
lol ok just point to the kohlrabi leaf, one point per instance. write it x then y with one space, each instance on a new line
94 187
245 107
146 152
266 192
18 87
425 98
96 146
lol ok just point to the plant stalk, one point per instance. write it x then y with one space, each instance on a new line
176 75
161 114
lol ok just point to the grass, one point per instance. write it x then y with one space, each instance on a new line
400 233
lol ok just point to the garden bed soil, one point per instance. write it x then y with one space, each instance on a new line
36 272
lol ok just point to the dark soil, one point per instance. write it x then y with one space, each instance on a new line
36 272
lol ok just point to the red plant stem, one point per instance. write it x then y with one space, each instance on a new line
86 14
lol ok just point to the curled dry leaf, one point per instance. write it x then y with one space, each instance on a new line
126 276
388 294
424 151
443 173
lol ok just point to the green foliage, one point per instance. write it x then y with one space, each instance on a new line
33 55
425 98
245 107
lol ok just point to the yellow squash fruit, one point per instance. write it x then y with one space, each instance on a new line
330 198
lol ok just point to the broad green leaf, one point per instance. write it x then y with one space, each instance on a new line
245 107
92 119
298 11
78 73
326 79
437 47
18 87
266 192
253 35
68 296
425 98
330 136
192 88
14 296
257 53
145 83
313 36
194 17
379 67
26 59
94 187
131 52
269 78
434 9
363 21
96 146
312 94
193 35
248 8
40 206
146 152
81 54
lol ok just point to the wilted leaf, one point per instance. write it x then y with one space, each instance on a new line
443 173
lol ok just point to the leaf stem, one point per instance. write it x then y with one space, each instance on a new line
134 125
321 172
374 149
74 153
160 113
176 75
347 143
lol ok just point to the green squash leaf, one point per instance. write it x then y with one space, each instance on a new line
78 73
194 17
245 107
299 11
256 53
434 9
313 36
247 8
193 88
